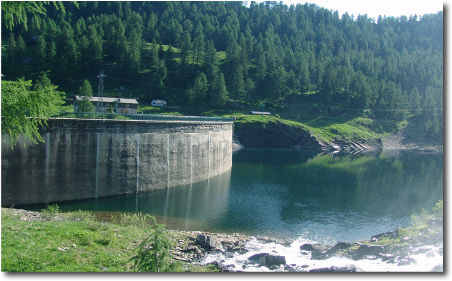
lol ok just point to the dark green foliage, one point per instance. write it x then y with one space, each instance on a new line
265 52
85 91
197 95
154 252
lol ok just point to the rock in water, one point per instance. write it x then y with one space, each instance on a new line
369 250
208 242
317 250
313 248
390 234
257 257
339 246
348 268
270 260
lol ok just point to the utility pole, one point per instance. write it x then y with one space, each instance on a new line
100 97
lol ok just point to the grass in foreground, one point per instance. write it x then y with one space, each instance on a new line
76 242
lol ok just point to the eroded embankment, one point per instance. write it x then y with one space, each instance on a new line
277 133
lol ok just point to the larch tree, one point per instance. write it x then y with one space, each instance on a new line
25 110
85 93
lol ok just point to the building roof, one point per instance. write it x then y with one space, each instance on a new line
110 99
260 113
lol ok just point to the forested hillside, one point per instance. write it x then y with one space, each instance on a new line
225 55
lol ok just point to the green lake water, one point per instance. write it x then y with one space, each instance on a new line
294 193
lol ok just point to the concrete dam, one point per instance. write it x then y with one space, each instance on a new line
91 158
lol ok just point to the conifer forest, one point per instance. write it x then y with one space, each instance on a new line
227 55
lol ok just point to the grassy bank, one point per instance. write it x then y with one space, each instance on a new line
327 130
51 241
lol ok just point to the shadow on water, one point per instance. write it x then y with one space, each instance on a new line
289 192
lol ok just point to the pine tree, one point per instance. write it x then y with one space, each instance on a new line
51 55
121 48
21 48
151 28
154 59
11 50
134 55
85 52
198 44
185 48
238 89
42 83
40 53
197 95
220 94
415 102
210 53
95 45
85 92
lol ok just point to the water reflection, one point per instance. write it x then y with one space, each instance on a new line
288 193
339 197
190 207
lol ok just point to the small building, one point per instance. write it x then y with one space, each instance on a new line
158 103
260 113
119 105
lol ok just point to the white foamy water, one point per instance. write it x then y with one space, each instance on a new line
430 258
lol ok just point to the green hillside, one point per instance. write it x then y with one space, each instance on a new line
340 75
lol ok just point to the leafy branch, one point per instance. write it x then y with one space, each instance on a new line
24 110
17 12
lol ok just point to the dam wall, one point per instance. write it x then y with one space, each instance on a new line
91 158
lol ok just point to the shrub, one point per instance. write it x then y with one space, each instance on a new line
154 253
424 218
80 215
82 237
139 220
50 212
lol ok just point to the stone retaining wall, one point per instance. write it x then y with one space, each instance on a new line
94 158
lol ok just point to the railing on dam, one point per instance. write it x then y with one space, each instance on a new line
156 117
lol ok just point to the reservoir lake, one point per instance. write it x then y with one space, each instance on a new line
290 193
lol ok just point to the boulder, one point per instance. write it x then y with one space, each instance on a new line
438 268
190 249
222 267
348 268
340 246
390 234
270 260
257 257
317 250
313 248
369 250
386 257
208 242
406 261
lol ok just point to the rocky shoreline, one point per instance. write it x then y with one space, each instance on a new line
193 246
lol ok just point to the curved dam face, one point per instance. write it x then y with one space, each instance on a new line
93 158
